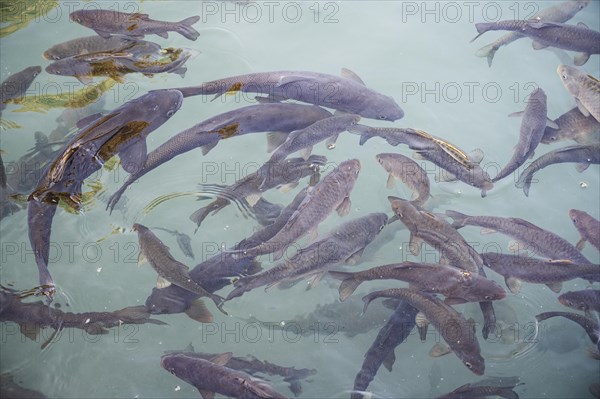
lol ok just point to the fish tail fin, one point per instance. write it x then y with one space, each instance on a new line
487 51
367 300
240 288
482 27
184 28
114 199
201 214
219 302
524 182
348 285
459 219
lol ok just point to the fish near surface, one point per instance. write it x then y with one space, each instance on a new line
561 12
345 243
409 172
587 226
591 326
183 241
585 300
107 22
518 268
332 192
281 118
573 125
347 93
577 38
211 376
17 84
582 155
480 391
10 389
532 130
583 87
95 44
461 338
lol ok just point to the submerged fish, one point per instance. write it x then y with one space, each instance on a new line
461 337
347 93
183 240
582 155
573 125
586 300
107 22
518 268
96 44
583 87
211 376
532 237
345 243
22 12
531 132
591 326
479 391
577 38
207 134
169 270
457 285
409 172
15 86
588 228
10 389
561 12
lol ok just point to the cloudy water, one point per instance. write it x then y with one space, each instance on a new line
420 54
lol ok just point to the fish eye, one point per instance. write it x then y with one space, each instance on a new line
488 297
381 227
382 117
469 365
170 113
564 76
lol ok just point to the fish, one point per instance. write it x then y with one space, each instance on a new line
586 300
15 86
251 365
532 130
482 391
109 22
211 376
303 140
123 132
11 389
331 193
458 286
594 390
207 134
533 238
68 99
284 174
183 241
582 155
588 228
461 338
591 326
409 172
399 326
577 38
583 87
265 212
518 268
169 270
96 44
344 244
19 13
347 93
573 125
561 12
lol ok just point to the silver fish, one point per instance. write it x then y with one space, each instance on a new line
588 227
583 87
585 300
95 44
573 125
17 84
409 172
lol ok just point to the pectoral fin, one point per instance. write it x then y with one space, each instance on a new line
164 35
162 283
439 349
551 124
487 230
516 114
580 167
354 258
555 287
133 158
305 153
206 148
141 259
252 199
538 45
199 312
476 156
207 394
222 359
455 301
414 246
287 187
582 108
389 360
102 33
513 284
580 244
344 207
391 181
275 139
30 330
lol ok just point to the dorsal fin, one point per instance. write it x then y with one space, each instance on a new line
348 74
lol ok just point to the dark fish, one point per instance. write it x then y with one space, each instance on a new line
347 93
122 132
211 376
461 338
586 300
577 38
396 330
595 390
344 244
95 44
588 227
207 134
9 389
169 270
2 173
532 238
583 87
332 192
107 22
561 12
266 212
183 240
409 172
16 85
253 366
531 132
591 326
457 285
478 391
582 155
517 268
285 174
573 125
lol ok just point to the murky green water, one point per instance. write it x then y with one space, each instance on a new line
417 52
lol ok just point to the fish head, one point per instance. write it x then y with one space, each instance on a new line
581 4
347 172
537 96
385 160
382 107
32 72
139 228
67 67
568 75
176 364
404 209
473 360
486 290
569 300
157 106
576 217
85 17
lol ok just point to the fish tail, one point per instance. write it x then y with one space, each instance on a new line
240 288
219 302
459 219
201 214
367 300
349 283
482 27
524 182
487 51
185 29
